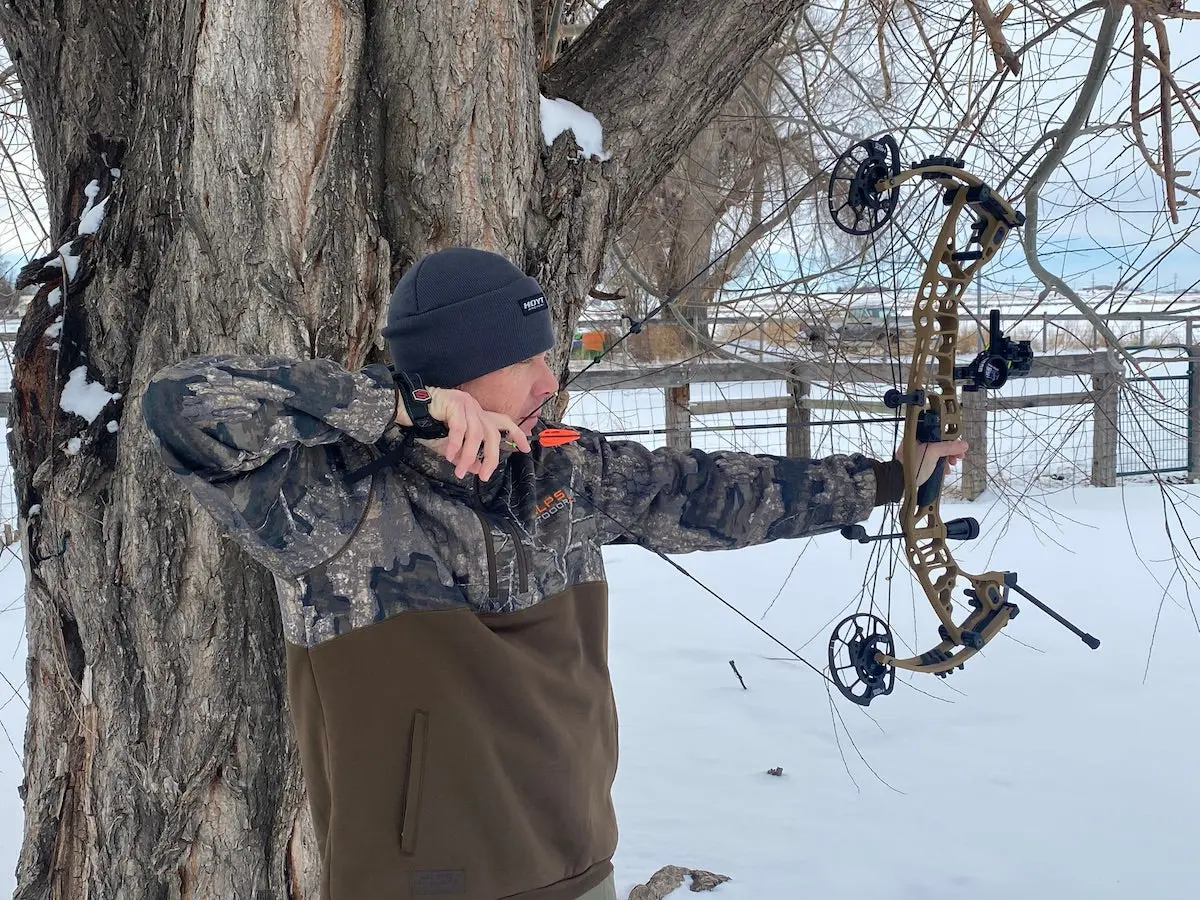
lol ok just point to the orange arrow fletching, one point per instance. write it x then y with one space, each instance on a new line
556 437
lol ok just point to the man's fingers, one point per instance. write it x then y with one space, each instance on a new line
474 436
468 455
489 451
456 424
514 433
955 449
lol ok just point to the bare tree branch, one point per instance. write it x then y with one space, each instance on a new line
616 67
1102 53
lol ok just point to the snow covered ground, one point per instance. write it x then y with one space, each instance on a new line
1043 770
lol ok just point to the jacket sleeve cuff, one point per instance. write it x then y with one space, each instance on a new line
889 481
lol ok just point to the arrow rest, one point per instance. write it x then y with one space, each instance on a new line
894 398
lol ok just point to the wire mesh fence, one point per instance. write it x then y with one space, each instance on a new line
1043 441
1155 423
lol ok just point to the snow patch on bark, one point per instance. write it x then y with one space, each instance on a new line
93 212
563 115
84 398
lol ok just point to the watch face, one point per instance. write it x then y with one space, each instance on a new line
421 395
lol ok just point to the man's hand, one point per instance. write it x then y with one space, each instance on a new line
930 453
473 445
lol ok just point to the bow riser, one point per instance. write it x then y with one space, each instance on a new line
938 575
948 274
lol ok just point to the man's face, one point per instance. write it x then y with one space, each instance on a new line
515 391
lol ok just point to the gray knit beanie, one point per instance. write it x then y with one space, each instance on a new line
460 313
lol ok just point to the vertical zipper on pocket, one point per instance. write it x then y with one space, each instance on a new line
519 549
412 788
493 584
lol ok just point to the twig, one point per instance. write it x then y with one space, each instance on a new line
880 47
738 674
991 23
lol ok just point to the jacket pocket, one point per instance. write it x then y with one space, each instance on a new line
412 785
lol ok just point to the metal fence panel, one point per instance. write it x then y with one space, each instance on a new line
1155 432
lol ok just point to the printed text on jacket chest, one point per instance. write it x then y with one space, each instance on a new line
552 504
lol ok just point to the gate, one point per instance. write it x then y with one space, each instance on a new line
1156 434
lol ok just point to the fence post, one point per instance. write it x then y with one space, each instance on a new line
1106 385
679 417
799 418
975 433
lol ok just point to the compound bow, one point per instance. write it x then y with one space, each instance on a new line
863 193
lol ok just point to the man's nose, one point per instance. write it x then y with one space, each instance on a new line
546 382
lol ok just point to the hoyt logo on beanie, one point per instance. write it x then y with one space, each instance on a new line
533 304
460 313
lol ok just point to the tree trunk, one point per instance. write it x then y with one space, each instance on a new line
270 170
693 209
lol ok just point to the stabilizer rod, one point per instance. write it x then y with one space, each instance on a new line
965 529
1010 579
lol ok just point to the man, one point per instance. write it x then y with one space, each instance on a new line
443 595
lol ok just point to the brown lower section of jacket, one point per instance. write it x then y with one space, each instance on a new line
464 756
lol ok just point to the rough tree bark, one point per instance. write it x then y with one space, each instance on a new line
271 168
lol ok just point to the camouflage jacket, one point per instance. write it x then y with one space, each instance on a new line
265 445
446 639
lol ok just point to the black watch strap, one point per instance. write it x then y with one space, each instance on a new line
415 397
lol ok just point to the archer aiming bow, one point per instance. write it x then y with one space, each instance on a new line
863 192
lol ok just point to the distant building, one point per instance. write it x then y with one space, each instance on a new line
13 303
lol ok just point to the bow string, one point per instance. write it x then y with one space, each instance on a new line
863 196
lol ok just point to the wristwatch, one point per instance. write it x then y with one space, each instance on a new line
415 397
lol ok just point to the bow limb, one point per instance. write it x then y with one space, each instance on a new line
971 636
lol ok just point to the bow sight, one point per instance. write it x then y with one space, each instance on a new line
997 362
863 194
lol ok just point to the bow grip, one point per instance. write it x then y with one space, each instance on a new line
932 488
929 429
